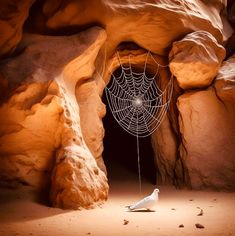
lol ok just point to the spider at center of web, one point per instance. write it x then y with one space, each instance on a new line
137 102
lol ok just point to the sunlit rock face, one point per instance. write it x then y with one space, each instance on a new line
28 150
41 139
195 60
207 126
51 131
160 23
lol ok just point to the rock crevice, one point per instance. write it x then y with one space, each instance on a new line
51 131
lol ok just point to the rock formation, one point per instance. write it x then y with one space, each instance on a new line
207 126
57 57
13 15
195 60
40 123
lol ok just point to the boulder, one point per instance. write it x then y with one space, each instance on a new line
196 59
207 126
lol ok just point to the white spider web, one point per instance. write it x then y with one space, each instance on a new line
136 101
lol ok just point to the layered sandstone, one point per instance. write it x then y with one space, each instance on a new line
196 59
160 23
207 126
40 123
51 110
13 14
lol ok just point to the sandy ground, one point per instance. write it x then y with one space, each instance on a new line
21 214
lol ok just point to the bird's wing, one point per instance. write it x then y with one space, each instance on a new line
144 203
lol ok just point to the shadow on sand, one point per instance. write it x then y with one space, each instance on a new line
142 210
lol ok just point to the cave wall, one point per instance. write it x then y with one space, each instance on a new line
57 56
42 144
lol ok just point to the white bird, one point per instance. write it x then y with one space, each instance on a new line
147 202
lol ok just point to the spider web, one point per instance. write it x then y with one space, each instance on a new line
136 101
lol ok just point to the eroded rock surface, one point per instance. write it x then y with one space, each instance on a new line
40 123
13 14
160 23
196 59
207 127
29 134
51 111
77 181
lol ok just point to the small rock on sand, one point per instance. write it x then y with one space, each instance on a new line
125 222
201 213
199 226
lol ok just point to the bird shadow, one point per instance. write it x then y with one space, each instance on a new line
142 210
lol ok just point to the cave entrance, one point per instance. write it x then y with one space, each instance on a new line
120 152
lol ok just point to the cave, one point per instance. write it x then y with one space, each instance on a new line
59 138
120 151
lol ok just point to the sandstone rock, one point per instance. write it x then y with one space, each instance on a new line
91 111
13 14
165 148
137 59
28 140
164 20
40 125
195 60
207 127
225 81
50 106
77 181
159 23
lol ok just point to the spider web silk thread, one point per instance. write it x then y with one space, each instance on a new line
137 103
138 160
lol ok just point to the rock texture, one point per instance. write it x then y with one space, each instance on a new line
164 142
91 112
51 110
40 124
77 181
13 14
207 127
196 59
27 139
159 22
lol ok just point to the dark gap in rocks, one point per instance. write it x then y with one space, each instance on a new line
120 151
36 23
128 45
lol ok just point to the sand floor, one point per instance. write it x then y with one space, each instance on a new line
20 214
